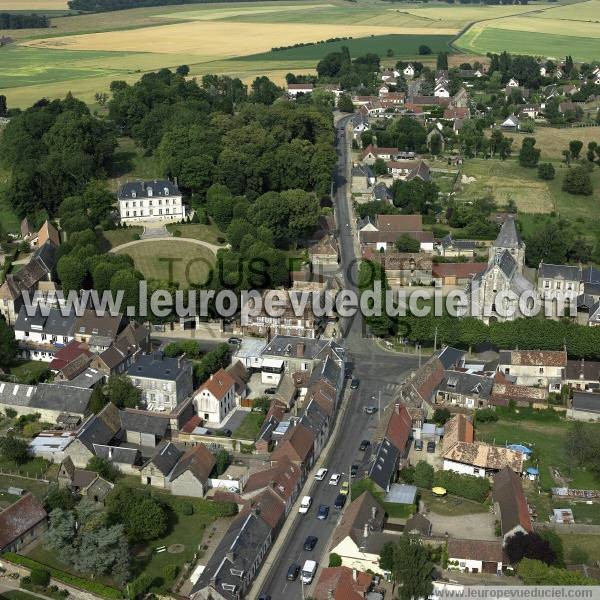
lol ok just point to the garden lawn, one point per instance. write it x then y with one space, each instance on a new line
589 543
116 237
28 371
17 595
451 506
206 233
250 426
36 467
37 488
172 260
588 514
546 437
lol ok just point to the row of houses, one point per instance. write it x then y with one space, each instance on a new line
269 494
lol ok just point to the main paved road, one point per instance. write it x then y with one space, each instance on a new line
379 372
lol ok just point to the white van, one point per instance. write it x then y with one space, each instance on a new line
305 504
308 571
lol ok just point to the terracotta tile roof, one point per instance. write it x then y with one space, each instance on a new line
486 551
485 456
283 478
541 358
341 582
458 112
296 445
378 150
399 428
457 429
270 507
399 223
218 384
47 233
70 352
19 518
503 393
508 493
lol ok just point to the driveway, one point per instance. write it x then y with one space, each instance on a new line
478 526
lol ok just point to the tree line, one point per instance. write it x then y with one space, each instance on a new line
110 5
21 21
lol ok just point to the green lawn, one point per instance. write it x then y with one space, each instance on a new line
131 162
583 513
548 440
207 233
28 371
250 426
17 595
36 467
172 260
589 543
401 45
451 506
37 488
116 237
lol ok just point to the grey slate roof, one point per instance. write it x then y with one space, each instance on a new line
590 275
381 191
463 383
64 398
586 401
16 394
88 379
117 454
362 171
509 236
147 189
46 255
166 458
285 345
384 464
507 264
236 552
567 272
313 418
143 422
52 324
157 366
451 357
449 242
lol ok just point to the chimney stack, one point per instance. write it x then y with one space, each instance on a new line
300 350
366 531
354 574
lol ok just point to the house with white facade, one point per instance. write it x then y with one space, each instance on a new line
409 70
294 89
158 200
40 335
215 398
545 368
475 556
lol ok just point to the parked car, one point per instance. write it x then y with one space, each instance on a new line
370 410
271 391
345 488
234 340
340 501
227 432
431 447
354 383
334 479
293 572
323 512
321 474
305 504
419 445
264 597
348 370
310 542
364 445
353 470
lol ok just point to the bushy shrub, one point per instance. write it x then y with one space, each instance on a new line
466 486
40 577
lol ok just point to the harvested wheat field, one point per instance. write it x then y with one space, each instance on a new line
33 5
216 40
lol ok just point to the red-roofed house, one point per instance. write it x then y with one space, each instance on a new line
399 428
342 583
216 397
21 523
297 445
510 503
457 273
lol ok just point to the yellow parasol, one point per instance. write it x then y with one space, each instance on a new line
439 491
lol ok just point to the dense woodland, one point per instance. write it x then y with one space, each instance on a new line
108 5
21 21
260 169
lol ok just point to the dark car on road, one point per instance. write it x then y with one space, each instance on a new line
354 383
234 341
418 444
293 572
310 542
323 512
340 501
370 410
271 391
364 445
431 447
353 470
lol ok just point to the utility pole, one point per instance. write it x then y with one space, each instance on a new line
379 405
419 347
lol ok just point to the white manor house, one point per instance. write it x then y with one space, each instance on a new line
158 200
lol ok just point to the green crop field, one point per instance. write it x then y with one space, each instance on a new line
401 45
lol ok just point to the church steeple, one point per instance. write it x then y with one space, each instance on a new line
508 240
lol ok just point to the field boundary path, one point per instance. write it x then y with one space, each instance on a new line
212 247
